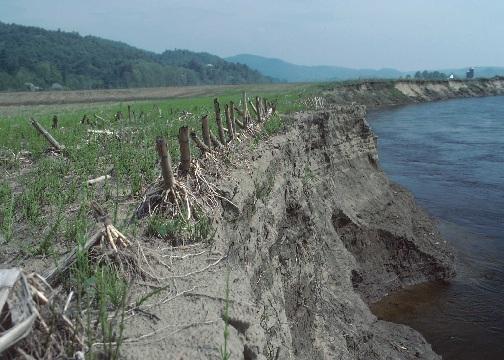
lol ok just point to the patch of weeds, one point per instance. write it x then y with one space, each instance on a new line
165 228
273 125
202 230
179 230
30 207
102 297
46 246
111 294
75 228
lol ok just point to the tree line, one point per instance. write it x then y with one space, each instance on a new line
30 55
430 75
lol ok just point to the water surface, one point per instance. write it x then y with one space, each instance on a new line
450 155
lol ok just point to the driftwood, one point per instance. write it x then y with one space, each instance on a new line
206 131
15 303
47 136
185 150
166 165
218 119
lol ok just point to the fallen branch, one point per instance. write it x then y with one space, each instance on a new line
56 145
98 179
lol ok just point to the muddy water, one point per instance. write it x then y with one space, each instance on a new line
451 156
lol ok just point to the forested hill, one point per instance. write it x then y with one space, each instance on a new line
44 58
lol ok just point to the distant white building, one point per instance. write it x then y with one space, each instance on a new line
451 77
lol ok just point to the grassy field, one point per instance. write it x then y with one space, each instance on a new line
45 202
37 190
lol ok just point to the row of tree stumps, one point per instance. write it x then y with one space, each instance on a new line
209 142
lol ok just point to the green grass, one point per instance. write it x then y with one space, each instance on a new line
179 230
47 186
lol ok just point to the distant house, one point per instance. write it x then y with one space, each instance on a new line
470 73
452 76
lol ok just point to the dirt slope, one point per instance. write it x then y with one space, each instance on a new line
386 93
317 231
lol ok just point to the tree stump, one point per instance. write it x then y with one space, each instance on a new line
185 150
166 166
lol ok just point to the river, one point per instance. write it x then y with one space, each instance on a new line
450 155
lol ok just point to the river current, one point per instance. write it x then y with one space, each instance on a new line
450 155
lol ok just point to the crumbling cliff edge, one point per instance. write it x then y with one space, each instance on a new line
316 231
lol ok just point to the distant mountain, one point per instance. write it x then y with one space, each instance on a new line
37 58
283 70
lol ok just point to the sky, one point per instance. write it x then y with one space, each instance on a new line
401 34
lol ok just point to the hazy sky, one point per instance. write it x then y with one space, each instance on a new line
405 34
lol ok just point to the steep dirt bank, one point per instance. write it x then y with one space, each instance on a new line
317 231
387 93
